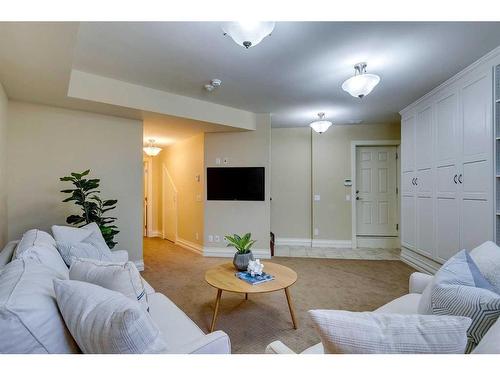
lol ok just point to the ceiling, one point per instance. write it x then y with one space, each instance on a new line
293 74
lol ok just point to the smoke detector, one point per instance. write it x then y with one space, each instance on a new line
214 83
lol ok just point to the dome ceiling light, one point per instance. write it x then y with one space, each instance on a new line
362 83
151 149
248 34
321 125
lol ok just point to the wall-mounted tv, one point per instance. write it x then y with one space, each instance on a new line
236 184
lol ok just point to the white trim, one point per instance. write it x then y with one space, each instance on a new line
226 252
419 262
339 244
354 144
149 196
477 64
156 233
189 245
139 264
166 174
378 242
293 242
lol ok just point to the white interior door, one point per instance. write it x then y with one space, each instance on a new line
376 197
169 207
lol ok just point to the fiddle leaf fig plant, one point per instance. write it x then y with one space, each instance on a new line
242 244
85 194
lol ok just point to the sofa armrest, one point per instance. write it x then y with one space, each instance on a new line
419 281
277 347
214 343
119 256
7 252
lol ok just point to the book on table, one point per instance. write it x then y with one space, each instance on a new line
256 279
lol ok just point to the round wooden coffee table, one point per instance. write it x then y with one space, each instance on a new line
222 277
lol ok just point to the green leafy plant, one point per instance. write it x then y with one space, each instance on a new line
242 244
85 194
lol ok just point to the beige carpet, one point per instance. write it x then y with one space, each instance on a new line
355 285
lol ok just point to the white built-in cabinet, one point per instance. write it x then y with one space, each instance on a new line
447 170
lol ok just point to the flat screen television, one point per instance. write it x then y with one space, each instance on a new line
235 184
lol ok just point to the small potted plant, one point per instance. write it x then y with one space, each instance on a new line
243 254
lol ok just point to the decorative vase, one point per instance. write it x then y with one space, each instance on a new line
240 261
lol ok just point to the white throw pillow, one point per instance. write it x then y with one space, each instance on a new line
89 233
120 277
70 251
30 321
106 322
487 258
33 237
344 332
48 256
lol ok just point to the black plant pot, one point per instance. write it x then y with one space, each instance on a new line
241 261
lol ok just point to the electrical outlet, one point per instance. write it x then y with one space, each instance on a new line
210 238
217 161
197 178
316 231
317 197
198 197
217 238
225 160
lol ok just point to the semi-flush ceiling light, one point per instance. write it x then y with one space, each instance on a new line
151 149
248 34
362 83
320 126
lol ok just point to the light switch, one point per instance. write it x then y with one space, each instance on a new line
196 236
210 238
317 197
347 197
316 231
217 161
198 197
217 238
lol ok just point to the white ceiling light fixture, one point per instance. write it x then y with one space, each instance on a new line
321 125
151 149
214 84
248 34
362 83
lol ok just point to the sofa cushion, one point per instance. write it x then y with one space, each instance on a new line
29 318
487 258
77 250
176 327
458 270
7 253
344 332
120 277
103 321
33 237
481 305
48 256
407 304
89 233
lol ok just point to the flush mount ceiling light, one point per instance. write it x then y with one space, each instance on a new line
151 149
214 83
362 83
320 126
248 34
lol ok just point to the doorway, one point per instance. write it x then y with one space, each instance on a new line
375 198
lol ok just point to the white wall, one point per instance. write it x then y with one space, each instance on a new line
243 149
3 167
46 143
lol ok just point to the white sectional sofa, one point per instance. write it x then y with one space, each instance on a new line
180 333
408 304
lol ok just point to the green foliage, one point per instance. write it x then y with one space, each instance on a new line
85 195
242 244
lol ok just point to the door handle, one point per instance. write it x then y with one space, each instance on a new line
357 198
455 179
460 178
413 181
416 181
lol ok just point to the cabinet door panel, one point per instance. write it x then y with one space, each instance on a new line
408 230
425 226
447 228
446 129
475 180
447 181
476 223
423 138
425 183
407 179
408 144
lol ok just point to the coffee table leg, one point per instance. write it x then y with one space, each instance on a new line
216 310
292 313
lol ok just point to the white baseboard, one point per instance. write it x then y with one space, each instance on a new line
293 242
155 233
189 245
419 262
139 264
332 243
378 242
228 252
